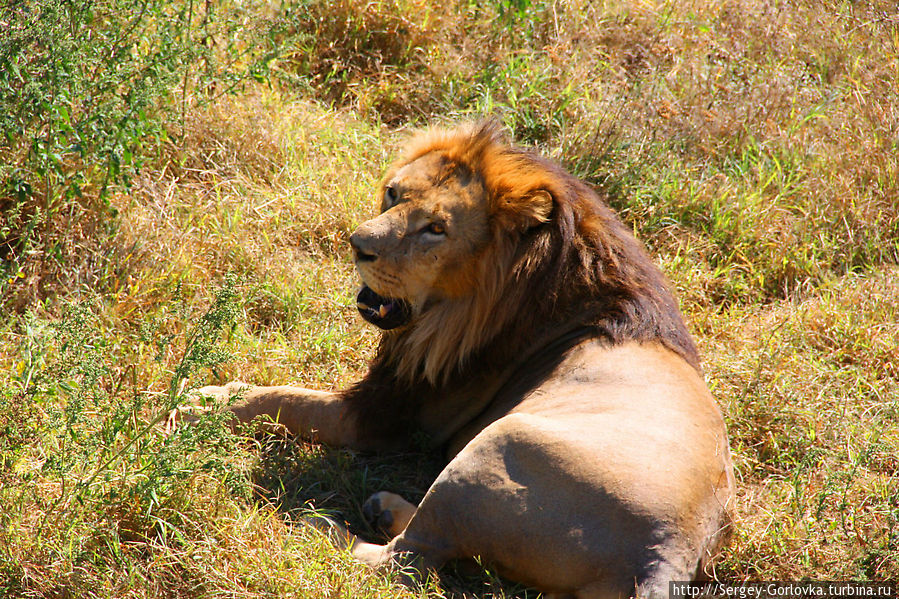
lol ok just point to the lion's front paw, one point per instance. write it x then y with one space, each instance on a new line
213 394
388 512
201 401
184 415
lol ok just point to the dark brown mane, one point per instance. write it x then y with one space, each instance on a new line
576 268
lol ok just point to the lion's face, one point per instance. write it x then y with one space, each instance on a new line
424 245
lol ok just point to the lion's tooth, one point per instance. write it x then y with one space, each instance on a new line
382 311
362 306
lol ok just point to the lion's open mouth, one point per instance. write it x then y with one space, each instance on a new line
383 312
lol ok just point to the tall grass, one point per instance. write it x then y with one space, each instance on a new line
179 181
91 90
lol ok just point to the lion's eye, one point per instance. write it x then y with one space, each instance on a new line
390 196
435 229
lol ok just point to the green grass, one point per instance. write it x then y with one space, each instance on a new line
753 148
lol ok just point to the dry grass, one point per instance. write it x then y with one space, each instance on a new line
753 146
273 203
742 127
810 389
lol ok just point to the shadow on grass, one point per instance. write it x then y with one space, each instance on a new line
296 476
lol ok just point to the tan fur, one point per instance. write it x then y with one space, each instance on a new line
545 352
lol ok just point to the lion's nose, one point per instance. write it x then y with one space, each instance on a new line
361 245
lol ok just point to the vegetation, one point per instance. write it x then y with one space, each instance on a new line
179 179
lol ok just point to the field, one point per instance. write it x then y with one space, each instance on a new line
178 181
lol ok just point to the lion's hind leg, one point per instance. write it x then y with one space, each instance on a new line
388 512
369 553
411 565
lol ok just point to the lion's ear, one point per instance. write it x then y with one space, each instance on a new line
528 211
540 206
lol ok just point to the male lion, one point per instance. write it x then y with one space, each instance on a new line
528 333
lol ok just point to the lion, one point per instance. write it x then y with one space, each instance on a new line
527 332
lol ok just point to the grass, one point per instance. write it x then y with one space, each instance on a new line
752 147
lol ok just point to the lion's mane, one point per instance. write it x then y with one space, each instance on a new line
580 270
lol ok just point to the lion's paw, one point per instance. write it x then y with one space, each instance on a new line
216 394
388 512
183 415
201 401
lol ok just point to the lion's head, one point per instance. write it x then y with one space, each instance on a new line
422 249
429 244
482 249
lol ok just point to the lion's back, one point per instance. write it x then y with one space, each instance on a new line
622 447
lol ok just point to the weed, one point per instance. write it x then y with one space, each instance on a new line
103 463
80 114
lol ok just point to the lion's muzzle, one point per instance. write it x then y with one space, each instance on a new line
383 312
368 242
375 237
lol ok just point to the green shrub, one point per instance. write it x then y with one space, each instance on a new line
89 89
87 448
